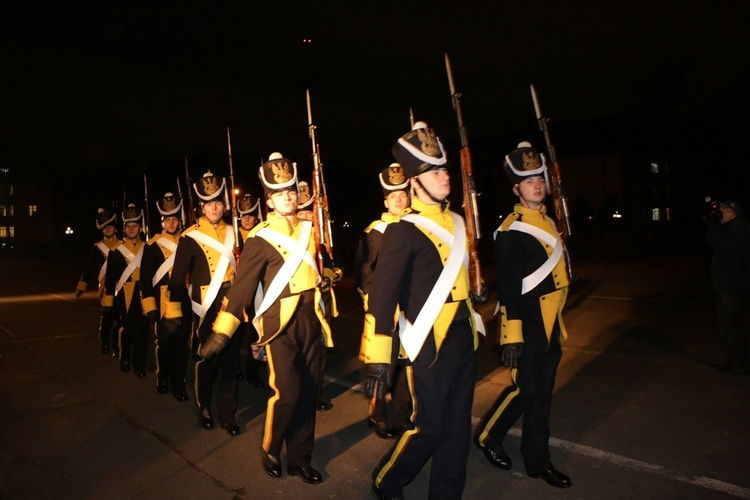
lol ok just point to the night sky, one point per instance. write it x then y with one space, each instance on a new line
97 93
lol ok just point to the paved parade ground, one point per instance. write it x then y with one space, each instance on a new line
638 411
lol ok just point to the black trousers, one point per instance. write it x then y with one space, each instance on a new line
133 341
443 393
529 395
730 308
109 327
222 366
294 365
171 352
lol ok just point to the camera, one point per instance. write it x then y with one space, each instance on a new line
712 212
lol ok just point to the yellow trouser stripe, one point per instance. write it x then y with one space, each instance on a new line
500 409
268 428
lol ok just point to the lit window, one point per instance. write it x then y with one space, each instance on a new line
10 190
32 210
11 231
10 211
3 211
655 214
4 170
667 214
3 232
654 167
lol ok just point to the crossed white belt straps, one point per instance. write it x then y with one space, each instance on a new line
226 258
168 262
104 249
413 335
134 261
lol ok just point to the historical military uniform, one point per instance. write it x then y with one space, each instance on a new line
171 351
123 290
422 269
96 267
532 284
205 260
391 179
280 255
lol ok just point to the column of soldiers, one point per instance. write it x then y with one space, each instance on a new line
420 323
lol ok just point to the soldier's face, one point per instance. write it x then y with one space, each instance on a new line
531 192
396 202
108 231
171 225
214 211
437 182
284 202
132 229
248 222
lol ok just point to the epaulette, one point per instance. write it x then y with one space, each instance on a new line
257 228
510 219
407 210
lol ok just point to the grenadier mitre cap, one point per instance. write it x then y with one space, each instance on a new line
278 174
170 205
305 196
419 150
105 218
132 213
247 204
393 179
211 187
525 161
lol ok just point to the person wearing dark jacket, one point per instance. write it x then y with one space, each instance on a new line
730 276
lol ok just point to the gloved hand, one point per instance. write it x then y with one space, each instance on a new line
170 326
377 379
78 293
510 354
482 297
214 344
325 285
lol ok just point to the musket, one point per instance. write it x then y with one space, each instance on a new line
411 118
559 201
233 209
191 208
321 214
182 208
471 208
146 216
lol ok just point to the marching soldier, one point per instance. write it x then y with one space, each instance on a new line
280 254
422 270
122 284
206 260
532 284
250 215
97 266
171 351
395 187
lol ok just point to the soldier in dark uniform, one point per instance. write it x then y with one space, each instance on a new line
532 284
171 351
280 254
395 188
248 209
122 284
206 261
96 267
422 270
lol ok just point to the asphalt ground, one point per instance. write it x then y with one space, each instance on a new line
638 411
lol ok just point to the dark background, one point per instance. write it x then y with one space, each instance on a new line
97 94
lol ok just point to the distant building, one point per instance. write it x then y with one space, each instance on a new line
27 216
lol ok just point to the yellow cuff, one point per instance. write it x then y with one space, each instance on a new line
108 301
82 286
174 310
148 304
511 331
226 324
375 348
